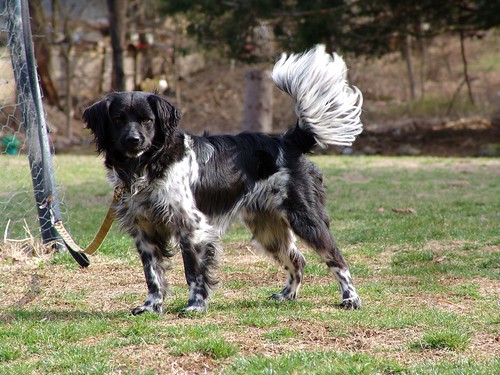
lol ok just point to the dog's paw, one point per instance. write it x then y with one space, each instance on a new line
194 309
157 309
352 303
282 297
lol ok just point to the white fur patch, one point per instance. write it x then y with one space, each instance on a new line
323 101
168 202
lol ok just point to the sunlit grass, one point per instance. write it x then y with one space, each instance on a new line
420 235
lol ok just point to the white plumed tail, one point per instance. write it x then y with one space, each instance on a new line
324 102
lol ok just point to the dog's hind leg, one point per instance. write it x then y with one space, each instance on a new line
272 235
293 262
316 233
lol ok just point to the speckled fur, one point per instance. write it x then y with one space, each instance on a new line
182 190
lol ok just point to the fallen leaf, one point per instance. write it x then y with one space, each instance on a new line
406 211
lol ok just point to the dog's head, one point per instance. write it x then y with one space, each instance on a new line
127 125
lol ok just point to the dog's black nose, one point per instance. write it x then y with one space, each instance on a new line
133 139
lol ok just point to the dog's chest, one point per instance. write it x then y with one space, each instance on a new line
165 202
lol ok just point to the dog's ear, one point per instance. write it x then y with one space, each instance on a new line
167 115
99 122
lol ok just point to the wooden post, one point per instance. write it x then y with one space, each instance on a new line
258 101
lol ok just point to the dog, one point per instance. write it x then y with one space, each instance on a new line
182 190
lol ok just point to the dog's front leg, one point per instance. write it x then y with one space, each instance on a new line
152 262
200 261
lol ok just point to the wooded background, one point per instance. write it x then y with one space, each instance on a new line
406 56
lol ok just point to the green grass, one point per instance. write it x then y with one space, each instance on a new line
421 237
316 362
280 335
443 340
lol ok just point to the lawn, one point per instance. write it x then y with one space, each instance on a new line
421 235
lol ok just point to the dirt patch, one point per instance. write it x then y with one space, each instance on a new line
475 137
144 357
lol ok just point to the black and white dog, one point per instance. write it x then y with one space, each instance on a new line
181 189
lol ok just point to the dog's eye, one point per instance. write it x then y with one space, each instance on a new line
119 119
146 121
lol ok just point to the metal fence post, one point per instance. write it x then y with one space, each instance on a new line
29 99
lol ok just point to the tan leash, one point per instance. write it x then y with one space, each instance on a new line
101 233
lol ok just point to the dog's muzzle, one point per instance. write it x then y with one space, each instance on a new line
133 144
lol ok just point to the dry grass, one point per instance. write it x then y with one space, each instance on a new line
28 250
107 280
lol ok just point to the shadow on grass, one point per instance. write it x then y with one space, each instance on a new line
22 314
175 307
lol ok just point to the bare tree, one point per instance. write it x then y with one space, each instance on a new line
465 67
42 52
409 64
66 54
258 98
65 17
117 18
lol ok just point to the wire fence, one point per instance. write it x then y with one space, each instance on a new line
18 217
28 194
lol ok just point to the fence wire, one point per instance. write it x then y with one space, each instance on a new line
28 196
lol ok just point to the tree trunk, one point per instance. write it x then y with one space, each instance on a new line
423 56
465 67
42 53
66 52
176 63
409 66
102 76
54 20
117 17
68 110
258 101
